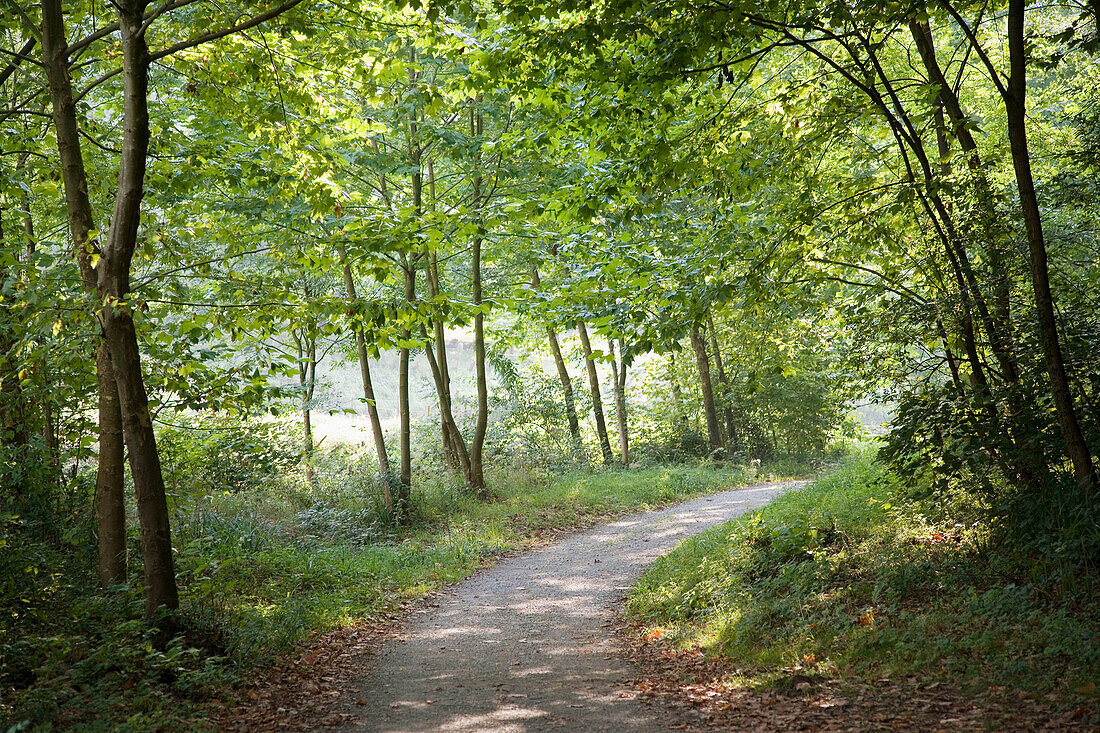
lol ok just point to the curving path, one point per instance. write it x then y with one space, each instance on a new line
525 645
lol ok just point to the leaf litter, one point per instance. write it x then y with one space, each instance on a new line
700 689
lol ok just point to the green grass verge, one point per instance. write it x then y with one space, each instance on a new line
844 577
261 569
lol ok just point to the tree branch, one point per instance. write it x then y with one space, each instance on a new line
20 57
215 35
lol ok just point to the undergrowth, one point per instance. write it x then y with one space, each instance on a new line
848 577
263 565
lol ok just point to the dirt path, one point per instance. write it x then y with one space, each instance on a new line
527 645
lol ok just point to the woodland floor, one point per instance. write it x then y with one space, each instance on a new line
534 644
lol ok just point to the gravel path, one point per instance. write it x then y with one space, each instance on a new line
525 646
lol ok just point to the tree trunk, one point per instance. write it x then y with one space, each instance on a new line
730 437
997 323
405 442
1015 100
952 364
451 435
368 384
137 421
110 505
454 446
677 392
714 434
476 481
594 387
566 382
408 266
619 379
404 489
110 472
306 345
118 323
452 452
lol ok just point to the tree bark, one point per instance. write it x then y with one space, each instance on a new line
452 437
594 387
452 452
566 382
730 437
619 379
997 323
118 323
110 505
476 480
714 433
404 489
368 384
677 393
408 266
1015 100
305 343
110 472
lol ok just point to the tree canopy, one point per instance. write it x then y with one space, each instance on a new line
739 219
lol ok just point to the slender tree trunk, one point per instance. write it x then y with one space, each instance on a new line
566 382
619 379
118 323
28 224
404 489
594 387
1015 100
306 345
477 473
1023 465
997 323
677 392
109 475
408 266
368 384
451 434
452 452
952 363
481 424
714 434
567 393
730 437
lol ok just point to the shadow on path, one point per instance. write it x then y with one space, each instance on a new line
525 646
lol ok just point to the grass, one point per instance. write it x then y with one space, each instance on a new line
261 568
847 578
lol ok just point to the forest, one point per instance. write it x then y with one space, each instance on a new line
582 259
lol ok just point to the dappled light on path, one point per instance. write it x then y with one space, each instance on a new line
525 645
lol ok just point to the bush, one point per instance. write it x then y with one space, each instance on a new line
212 451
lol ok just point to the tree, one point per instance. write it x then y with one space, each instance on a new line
110 266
